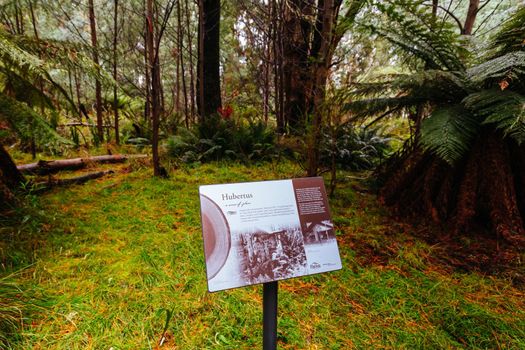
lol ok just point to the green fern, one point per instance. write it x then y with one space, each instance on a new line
448 132
29 125
503 109
510 66
510 38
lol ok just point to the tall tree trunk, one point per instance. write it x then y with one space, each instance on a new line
209 57
321 47
275 30
471 17
147 80
296 34
115 97
98 87
190 53
40 81
180 36
153 63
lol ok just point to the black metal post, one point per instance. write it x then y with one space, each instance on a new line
270 315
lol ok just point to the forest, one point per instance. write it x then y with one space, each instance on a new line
113 113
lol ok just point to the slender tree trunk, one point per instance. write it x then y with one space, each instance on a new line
40 81
190 52
209 57
155 91
115 57
147 81
266 72
98 87
180 37
471 17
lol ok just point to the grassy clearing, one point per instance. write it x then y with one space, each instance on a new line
113 258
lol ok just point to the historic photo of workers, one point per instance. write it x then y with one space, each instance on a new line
270 256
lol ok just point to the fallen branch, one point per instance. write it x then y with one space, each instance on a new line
44 167
82 124
45 186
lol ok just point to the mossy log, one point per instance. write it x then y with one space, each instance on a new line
44 167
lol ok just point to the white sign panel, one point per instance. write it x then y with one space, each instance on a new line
258 232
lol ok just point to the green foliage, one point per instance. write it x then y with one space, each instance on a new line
449 131
505 110
451 102
510 37
354 148
510 66
412 29
217 139
29 125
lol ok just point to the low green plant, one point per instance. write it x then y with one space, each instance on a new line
218 138
353 147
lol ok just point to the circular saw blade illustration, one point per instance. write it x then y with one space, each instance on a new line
216 234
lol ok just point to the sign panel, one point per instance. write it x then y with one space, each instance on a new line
258 232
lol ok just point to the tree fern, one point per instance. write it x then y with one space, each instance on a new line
29 125
503 109
510 37
448 132
412 30
510 66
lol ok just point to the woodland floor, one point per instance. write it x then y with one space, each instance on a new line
111 257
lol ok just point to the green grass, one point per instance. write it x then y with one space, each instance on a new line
106 261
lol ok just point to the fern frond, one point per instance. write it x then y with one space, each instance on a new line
510 37
510 66
29 125
372 107
448 132
411 28
503 109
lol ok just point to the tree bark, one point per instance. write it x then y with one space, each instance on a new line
180 37
10 179
471 17
115 57
190 53
11 176
296 47
98 86
323 58
209 57
153 63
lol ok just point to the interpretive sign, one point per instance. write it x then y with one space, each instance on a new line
259 232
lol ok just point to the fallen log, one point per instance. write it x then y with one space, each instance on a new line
44 167
45 186
82 124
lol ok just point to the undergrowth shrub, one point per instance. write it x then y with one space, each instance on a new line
218 138
353 147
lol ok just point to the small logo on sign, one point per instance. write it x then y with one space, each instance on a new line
315 265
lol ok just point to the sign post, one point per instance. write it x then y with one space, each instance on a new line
264 232
270 290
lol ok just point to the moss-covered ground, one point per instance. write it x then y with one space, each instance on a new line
118 263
